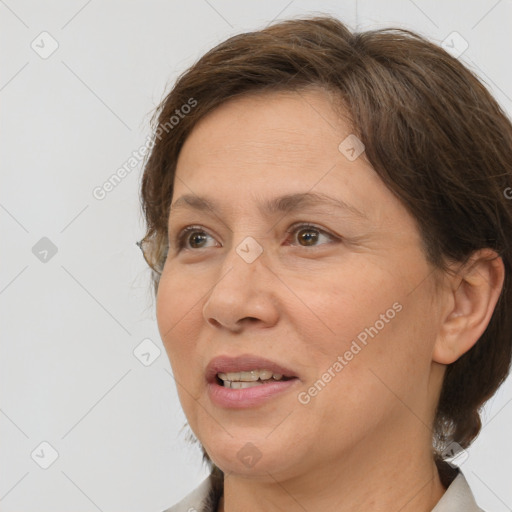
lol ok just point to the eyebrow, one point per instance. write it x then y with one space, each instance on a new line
282 204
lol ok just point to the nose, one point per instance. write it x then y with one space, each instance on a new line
243 295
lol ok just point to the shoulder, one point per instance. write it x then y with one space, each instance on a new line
203 498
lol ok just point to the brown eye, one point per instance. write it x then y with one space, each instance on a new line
193 237
196 238
308 236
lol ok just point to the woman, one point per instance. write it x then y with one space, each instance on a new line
329 230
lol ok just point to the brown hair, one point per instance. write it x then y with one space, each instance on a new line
431 130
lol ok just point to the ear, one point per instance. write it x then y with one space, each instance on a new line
473 292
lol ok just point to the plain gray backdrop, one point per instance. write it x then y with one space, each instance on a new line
89 414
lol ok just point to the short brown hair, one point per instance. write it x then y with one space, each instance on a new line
431 130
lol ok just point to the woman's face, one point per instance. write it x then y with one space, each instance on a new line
345 305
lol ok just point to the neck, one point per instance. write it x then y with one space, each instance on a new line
401 476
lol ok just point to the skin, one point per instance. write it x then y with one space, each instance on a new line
364 441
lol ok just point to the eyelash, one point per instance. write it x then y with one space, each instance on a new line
181 237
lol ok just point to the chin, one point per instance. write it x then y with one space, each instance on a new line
262 459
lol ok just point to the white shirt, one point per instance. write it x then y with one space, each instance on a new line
457 498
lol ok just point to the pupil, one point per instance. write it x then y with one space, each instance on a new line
196 239
309 236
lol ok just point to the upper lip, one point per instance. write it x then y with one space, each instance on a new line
246 362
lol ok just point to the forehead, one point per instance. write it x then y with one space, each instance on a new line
266 132
274 144
277 126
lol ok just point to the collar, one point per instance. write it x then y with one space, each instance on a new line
458 496
205 497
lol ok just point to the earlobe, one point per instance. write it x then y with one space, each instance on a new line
472 296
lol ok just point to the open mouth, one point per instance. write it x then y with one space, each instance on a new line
249 379
229 379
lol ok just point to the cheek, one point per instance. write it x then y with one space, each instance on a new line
179 293
366 321
176 310
342 302
385 359
354 386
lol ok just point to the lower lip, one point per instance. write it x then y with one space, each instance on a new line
247 397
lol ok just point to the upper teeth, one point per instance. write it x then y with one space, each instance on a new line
250 376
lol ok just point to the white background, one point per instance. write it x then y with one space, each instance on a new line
69 326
